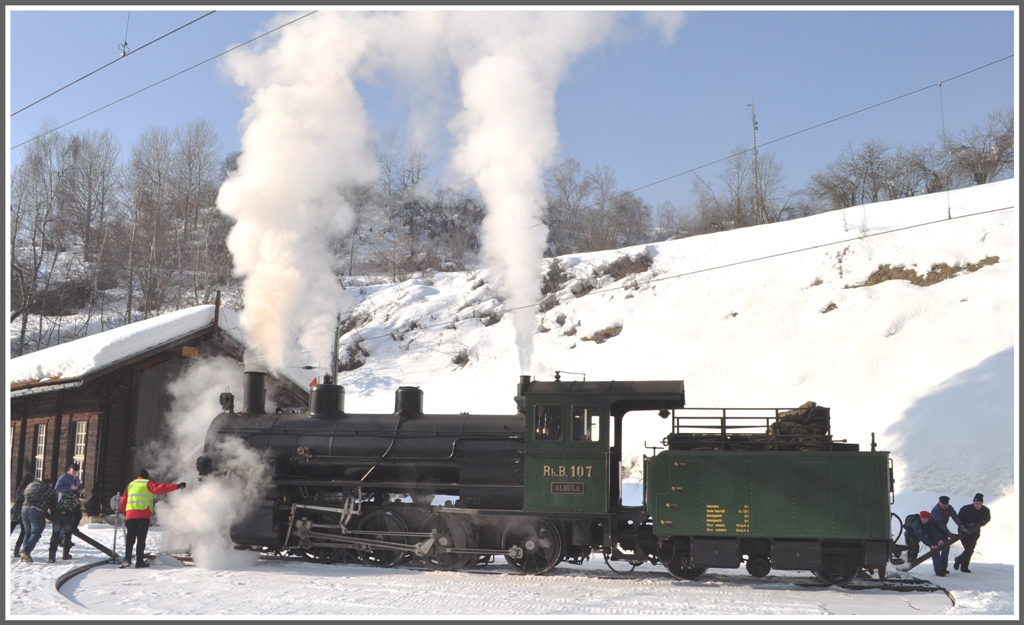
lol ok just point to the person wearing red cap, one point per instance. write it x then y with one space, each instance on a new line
972 518
929 533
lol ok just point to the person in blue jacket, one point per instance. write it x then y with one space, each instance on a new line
929 533
941 515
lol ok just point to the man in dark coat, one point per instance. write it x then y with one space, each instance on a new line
929 533
972 518
941 514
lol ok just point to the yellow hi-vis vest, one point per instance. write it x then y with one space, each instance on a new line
139 497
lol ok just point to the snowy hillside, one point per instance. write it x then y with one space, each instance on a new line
769 316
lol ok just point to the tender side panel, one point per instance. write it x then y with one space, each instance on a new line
769 495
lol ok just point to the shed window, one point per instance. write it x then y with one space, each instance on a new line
40 449
548 422
81 428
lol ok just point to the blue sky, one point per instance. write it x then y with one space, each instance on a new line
647 109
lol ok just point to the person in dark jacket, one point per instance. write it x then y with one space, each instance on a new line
19 501
929 533
972 518
941 514
68 483
38 496
63 518
137 503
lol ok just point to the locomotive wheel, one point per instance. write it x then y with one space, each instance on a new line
838 571
382 523
759 566
684 573
323 555
451 533
540 542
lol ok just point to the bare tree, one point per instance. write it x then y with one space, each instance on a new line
983 153
569 194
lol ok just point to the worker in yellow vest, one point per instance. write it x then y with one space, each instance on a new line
137 503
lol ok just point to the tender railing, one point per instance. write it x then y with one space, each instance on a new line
753 429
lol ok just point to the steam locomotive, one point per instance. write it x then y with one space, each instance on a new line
768 489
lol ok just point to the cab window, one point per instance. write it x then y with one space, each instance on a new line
586 423
547 423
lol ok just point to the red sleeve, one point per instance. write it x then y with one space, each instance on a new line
124 499
160 489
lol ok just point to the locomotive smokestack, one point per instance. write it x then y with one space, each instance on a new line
253 400
524 383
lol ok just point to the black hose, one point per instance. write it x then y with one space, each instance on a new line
899 533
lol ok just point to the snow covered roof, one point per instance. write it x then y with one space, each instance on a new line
71 364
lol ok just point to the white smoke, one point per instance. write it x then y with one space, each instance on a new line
306 135
198 519
201 517
510 69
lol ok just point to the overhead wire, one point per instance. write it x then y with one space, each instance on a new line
124 54
187 69
799 132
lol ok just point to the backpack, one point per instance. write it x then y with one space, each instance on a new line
68 504
36 492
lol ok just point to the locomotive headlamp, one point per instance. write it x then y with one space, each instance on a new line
227 402
663 413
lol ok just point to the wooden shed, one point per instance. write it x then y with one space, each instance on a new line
100 400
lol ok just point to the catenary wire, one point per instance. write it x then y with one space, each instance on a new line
216 56
799 132
716 267
124 55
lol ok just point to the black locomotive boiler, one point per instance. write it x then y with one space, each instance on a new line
765 488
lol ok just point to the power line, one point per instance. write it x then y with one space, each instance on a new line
718 267
798 132
188 69
124 54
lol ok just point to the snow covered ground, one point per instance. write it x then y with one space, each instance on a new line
774 316
279 588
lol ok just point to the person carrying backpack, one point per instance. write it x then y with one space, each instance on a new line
929 533
63 517
33 515
137 503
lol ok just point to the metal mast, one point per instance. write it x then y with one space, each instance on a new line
759 212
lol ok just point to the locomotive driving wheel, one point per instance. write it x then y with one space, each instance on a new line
540 543
379 525
324 523
451 533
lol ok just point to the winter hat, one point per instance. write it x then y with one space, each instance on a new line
925 515
979 497
144 474
944 499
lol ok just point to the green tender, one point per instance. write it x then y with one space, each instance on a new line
824 495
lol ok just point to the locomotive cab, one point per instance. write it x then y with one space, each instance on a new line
574 439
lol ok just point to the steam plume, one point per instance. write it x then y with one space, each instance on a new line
307 135
507 138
